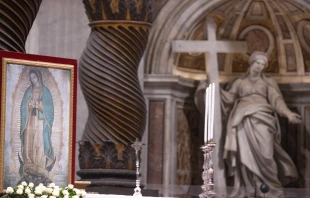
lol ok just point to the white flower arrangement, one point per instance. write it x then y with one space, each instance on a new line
25 190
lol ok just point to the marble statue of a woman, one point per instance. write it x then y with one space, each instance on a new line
252 148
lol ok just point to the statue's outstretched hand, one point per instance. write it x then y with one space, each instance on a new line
294 118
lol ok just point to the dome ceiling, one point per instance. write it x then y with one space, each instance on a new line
280 28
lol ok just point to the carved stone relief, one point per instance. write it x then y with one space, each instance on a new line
187 146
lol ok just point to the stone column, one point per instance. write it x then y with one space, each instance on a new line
16 20
173 135
109 81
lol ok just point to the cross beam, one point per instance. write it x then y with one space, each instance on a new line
207 46
211 45
210 48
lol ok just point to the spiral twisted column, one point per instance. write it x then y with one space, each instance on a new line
108 78
109 81
108 69
15 23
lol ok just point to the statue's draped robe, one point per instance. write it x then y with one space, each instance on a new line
36 129
252 147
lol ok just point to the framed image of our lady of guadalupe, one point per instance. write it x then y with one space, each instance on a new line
37 130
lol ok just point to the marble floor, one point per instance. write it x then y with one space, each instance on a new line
288 193
179 191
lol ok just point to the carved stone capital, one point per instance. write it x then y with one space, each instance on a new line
134 10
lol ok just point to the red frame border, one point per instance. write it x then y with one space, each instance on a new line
50 59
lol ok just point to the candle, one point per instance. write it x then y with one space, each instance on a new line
212 112
209 111
206 115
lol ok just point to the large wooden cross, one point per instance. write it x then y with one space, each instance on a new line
210 48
